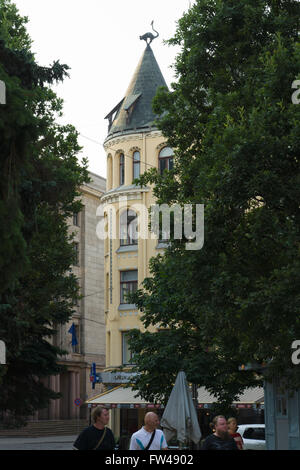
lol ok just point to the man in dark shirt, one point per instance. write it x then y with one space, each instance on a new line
97 436
221 439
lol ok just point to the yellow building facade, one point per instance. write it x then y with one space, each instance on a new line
133 145
126 262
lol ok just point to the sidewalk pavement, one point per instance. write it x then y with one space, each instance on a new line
37 443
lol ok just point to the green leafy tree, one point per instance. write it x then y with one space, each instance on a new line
235 131
40 190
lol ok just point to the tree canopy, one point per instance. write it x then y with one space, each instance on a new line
39 190
235 132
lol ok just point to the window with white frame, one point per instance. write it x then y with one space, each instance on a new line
136 164
122 169
76 250
128 284
165 159
128 228
127 357
76 219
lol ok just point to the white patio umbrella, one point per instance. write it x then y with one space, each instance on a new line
180 417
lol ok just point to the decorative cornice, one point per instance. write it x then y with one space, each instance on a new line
108 144
92 192
130 193
129 137
160 146
135 149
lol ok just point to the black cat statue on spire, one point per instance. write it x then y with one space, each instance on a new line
148 37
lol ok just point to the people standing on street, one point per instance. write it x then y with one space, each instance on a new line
232 428
149 437
220 439
97 436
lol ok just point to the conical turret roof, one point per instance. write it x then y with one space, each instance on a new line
134 112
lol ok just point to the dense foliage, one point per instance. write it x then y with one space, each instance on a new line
235 131
39 190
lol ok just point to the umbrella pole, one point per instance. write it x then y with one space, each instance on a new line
195 401
194 395
181 445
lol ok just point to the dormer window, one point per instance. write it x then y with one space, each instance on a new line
122 169
165 159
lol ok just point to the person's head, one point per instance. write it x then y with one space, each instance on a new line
232 425
220 426
100 416
151 421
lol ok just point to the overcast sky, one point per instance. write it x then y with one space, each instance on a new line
99 40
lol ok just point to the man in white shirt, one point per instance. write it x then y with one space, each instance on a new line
140 440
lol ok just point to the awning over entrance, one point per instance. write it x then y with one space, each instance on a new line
124 397
250 397
121 397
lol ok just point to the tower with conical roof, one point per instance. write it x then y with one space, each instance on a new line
134 113
133 145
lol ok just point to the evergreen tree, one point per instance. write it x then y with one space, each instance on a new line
40 189
235 131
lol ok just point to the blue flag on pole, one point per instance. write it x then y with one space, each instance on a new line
72 331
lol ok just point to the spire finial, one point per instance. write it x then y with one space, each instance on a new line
148 37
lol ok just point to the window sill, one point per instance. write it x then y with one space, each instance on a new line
127 307
127 248
162 245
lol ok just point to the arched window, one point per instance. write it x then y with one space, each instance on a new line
106 228
128 228
165 159
109 172
136 165
122 169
